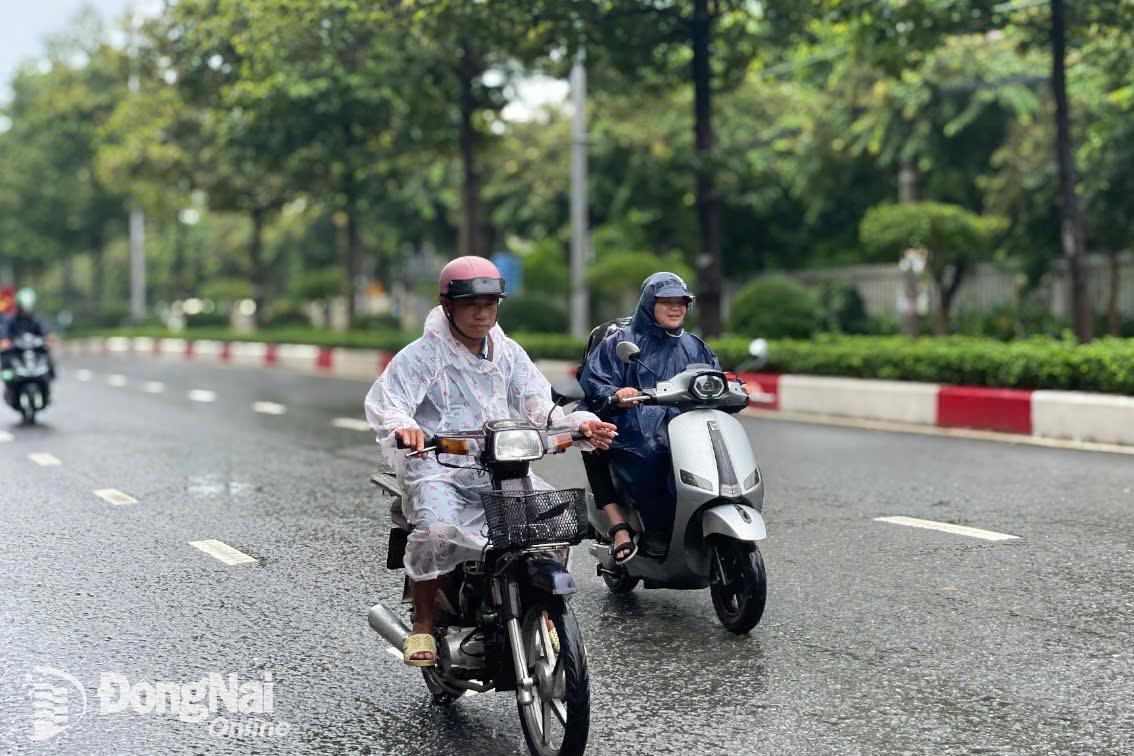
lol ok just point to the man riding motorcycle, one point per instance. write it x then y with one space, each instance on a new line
639 458
23 321
461 373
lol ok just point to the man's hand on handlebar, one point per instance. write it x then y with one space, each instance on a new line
410 438
599 434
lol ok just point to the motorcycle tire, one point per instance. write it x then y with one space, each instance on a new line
739 595
567 710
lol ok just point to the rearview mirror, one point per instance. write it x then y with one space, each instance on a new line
759 350
628 351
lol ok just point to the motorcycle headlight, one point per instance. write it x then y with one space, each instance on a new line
517 446
708 386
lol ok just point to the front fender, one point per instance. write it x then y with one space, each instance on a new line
550 576
737 521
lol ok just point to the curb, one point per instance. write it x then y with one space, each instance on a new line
1065 415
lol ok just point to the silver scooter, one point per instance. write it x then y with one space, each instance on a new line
720 497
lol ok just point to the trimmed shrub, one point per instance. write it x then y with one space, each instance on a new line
775 307
532 314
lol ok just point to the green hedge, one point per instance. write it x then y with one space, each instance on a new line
1106 365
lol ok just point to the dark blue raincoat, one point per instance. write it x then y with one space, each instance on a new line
640 455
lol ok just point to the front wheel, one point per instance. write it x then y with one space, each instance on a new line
557 721
738 584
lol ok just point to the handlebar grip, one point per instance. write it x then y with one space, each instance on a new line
428 442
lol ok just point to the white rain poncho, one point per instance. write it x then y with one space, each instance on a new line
438 385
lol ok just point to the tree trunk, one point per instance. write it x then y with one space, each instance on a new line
98 278
469 243
256 258
1113 314
946 292
907 181
353 257
178 268
708 204
1074 237
907 192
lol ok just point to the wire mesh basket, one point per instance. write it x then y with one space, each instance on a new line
531 518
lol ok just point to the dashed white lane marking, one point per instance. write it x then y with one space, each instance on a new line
223 552
116 380
43 459
153 387
268 408
947 527
202 395
5 437
351 423
83 375
114 496
394 652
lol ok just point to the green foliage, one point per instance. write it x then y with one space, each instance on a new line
380 323
227 290
284 313
322 283
774 307
620 272
841 309
531 313
1106 365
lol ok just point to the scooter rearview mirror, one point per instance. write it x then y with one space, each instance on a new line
628 351
759 351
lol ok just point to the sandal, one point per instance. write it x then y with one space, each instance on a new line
416 644
624 552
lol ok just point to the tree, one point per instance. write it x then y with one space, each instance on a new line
657 42
57 199
954 239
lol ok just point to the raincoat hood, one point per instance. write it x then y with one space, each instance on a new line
658 285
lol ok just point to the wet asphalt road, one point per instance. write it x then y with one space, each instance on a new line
878 638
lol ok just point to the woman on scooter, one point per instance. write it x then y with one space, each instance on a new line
639 456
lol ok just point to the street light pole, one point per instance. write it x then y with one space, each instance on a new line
580 239
137 218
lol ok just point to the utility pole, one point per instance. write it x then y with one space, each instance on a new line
580 237
137 218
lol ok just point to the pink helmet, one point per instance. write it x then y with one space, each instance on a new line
471 276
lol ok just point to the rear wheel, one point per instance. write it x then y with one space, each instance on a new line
737 583
557 721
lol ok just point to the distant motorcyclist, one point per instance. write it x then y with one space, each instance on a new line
639 457
25 321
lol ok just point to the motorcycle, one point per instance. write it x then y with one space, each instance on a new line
27 376
718 518
494 617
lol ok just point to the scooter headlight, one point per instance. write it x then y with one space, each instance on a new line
708 386
517 445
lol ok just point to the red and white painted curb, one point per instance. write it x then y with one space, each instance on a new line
1071 415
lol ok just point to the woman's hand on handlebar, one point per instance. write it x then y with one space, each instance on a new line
622 395
410 438
599 434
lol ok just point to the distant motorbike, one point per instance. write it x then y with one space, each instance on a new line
718 517
495 615
27 376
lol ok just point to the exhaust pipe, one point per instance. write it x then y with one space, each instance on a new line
386 623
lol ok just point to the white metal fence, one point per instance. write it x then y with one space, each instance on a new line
988 286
